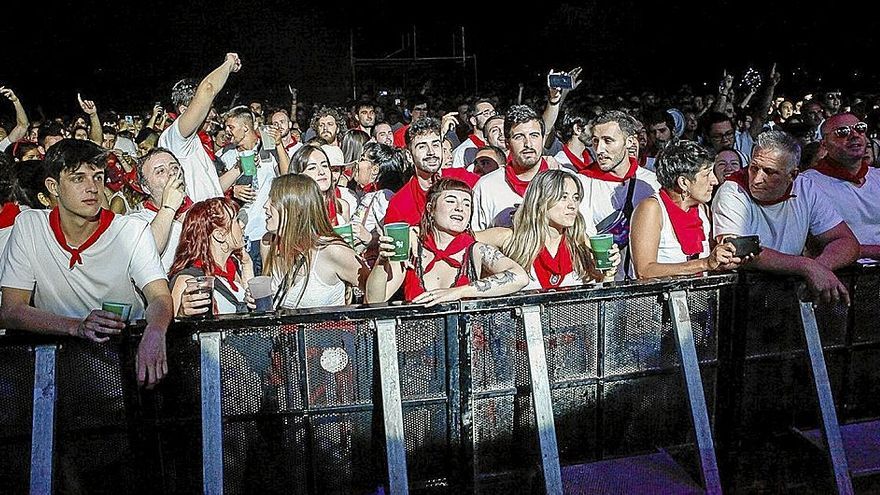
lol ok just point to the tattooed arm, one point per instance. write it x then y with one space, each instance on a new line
506 278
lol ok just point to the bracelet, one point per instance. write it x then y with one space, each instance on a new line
554 103
170 208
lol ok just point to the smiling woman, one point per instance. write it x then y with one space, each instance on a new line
446 262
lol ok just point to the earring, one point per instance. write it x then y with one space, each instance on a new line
684 195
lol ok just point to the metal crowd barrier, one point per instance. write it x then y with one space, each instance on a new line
642 387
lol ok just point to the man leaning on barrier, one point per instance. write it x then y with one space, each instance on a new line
770 200
69 284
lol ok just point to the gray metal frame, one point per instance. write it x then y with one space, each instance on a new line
43 431
395 445
212 419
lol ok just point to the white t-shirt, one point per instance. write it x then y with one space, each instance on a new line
122 261
606 197
782 227
495 203
167 256
126 146
5 143
458 154
744 144
198 169
669 249
859 206
267 170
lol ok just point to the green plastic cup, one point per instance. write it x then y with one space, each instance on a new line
399 231
122 309
248 166
346 232
601 246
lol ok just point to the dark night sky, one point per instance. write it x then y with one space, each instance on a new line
129 55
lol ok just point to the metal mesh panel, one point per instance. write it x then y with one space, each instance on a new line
245 363
496 355
867 311
266 456
421 355
428 456
342 458
16 413
339 363
635 339
864 386
570 339
575 412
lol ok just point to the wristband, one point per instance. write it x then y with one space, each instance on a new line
170 208
554 103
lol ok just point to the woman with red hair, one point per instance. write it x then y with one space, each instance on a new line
211 243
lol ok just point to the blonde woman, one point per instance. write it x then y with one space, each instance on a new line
310 264
446 262
549 235
312 161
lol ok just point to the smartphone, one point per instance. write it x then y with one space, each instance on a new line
129 120
559 80
266 137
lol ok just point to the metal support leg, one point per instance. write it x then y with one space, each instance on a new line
830 427
687 351
212 421
43 431
541 398
395 446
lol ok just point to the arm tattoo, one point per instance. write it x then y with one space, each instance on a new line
490 254
496 280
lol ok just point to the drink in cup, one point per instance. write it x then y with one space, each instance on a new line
202 285
346 232
399 231
261 291
122 309
248 166
601 246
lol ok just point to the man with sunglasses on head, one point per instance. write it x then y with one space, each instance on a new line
845 176
769 199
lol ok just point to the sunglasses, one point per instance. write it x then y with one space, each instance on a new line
846 130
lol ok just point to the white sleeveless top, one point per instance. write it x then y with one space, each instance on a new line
669 250
316 294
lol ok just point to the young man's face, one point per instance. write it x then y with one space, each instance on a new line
384 134
327 129
78 192
526 143
366 116
427 152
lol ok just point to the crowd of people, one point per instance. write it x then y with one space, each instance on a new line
132 208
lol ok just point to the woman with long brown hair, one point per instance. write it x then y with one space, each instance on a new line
310 264
446 262
312 161
211 243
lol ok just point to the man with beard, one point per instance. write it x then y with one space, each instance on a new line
424 148
499 193
280 119
383 134
326 124
770 200
478 113
575 137
365 116
843 174
614 184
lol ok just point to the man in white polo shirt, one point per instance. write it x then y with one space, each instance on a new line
844 175
478 113
161 178
114 259
498 194
770 200
182 137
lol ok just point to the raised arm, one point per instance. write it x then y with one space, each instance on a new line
555 98
96 131
21 119
386 276
723 92
762 109
191 120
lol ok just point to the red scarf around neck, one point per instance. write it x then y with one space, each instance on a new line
331 210
687 225
592 170
228 273
104 219
8 213
827 166
479 143
460 243
580 163
516 184
205 138
741 177
552 271
186 205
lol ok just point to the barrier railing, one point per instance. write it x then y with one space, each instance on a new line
578 390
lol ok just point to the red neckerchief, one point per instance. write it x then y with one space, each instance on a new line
458 244
827 166
204 137
687 225
8 213
592 170
516 184
479 143
228 274
187 204
579 163
551 271
331 211
104 219
293 142
371 187
741 177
